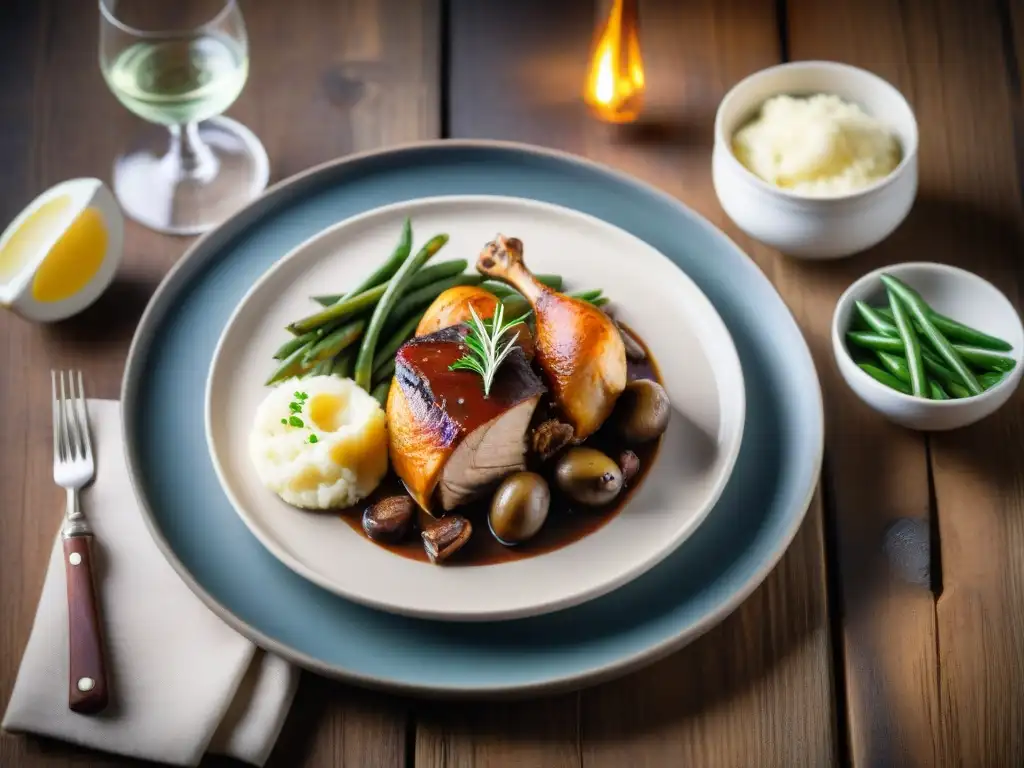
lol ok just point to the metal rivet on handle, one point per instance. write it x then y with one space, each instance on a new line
86 684
74 558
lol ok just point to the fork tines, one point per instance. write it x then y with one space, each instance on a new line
71 441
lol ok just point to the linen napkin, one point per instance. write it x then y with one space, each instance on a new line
181 681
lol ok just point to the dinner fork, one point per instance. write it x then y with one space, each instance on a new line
73 468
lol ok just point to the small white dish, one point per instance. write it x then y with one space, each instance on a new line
950 291
815 227
689 341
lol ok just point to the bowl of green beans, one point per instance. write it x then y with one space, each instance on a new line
929 346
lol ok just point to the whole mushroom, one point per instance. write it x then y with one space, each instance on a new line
588 476
519 508
642 411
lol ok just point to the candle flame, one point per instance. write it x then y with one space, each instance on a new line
614 88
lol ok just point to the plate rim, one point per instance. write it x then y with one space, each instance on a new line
223 233
734 439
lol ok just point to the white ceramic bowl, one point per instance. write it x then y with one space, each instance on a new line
810 227
950 291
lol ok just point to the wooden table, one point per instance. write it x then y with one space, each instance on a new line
892 633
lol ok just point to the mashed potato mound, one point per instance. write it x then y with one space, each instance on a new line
328 450
817 146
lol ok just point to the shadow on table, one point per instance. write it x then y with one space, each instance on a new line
111 319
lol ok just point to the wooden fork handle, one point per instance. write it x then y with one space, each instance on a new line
87 682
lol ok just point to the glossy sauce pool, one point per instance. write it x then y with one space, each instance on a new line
566 522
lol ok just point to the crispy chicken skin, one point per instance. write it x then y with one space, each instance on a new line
447 441
576 344
452 308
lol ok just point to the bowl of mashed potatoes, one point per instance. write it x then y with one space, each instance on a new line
816 159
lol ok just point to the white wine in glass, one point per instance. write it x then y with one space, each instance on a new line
180 65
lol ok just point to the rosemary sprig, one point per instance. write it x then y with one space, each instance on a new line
484 341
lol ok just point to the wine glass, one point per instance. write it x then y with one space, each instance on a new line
179 65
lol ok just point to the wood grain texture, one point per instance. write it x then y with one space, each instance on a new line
933 684
757 689
877 473
328 77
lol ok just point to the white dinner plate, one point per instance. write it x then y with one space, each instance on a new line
693 349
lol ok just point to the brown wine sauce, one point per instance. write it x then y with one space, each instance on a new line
567 521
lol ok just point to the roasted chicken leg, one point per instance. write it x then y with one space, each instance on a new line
577 345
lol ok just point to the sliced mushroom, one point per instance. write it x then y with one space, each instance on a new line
629 463
550 437
390 519
445 537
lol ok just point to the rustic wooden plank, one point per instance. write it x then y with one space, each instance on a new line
327 78
756 690
942 690
877 472
976 189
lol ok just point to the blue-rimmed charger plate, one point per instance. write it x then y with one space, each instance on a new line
701 582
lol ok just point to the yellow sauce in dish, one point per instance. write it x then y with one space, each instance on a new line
74 259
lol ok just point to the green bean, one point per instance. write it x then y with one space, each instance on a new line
990 379
291 366
323 367
873 319
884 377
911 346
897 366
600 301
327 299
294 343
395 340
422 277
957 331
551 281
587 296
515 306
938 393
388 302
340 311
982 358
381 392
913 302
421 298
949 380
987 359
335 342
500 290
343 363
385 372
933 367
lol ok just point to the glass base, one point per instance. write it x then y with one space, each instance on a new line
201 180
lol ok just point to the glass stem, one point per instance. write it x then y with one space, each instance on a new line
188 155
